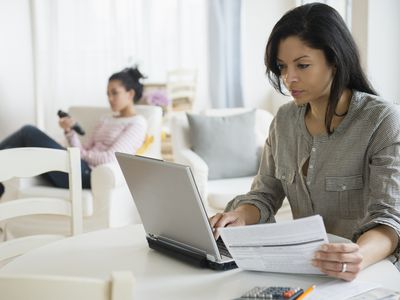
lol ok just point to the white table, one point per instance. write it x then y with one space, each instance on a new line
97 254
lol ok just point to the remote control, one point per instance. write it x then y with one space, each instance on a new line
76 127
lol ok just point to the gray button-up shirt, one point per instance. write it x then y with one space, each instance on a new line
353 176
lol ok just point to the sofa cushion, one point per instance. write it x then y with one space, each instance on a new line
149 139
221 191
226 143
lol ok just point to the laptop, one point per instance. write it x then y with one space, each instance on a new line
173 215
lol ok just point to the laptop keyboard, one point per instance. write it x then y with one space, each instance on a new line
222 248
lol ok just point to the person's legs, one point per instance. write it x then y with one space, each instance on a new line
29 136
60 179
1 189
86 175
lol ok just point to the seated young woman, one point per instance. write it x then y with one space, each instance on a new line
125 131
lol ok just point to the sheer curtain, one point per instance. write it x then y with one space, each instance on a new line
78 44
225 53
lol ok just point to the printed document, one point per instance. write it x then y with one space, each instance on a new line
284 247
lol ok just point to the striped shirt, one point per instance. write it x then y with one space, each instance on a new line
110 135
353 177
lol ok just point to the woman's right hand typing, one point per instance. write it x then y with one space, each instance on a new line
243 215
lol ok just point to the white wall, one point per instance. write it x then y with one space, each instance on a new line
383 62
359 29
259 17
16 80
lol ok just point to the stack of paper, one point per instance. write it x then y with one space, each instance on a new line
285 247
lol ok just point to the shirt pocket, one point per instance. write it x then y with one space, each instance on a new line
347 193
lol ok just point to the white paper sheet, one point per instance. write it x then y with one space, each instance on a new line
339 289
284 247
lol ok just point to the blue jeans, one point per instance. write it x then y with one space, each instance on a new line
30 136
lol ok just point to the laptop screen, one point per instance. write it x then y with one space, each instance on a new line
168 201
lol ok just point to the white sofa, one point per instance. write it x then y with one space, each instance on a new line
108 203
217 192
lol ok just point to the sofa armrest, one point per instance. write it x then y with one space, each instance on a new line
107 176
113 205
198 166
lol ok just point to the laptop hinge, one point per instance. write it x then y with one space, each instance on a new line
179 250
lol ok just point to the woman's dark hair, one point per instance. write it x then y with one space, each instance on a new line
130 79
321 27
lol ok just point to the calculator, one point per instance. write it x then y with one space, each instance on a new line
272 292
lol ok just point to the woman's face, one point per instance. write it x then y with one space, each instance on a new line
305 71
119 98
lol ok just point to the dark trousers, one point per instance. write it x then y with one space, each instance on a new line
30 136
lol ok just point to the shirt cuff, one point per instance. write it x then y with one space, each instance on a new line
265 213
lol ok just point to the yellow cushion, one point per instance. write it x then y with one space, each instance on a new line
145 146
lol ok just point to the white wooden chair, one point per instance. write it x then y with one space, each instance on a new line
28 287
29 162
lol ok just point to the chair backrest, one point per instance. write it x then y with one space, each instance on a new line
28 287
30 162
181 85
89 116
180 126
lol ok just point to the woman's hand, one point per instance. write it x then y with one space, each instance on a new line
340 260
231 218
243 215
66 123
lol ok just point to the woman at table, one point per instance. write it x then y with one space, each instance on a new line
123 132
333 151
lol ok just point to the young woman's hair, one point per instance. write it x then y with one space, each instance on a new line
130 79
321 27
